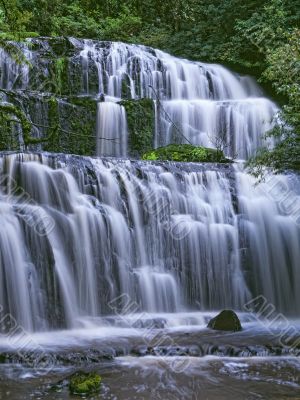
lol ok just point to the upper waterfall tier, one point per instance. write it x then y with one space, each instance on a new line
121 70
79 232
205 103
143 69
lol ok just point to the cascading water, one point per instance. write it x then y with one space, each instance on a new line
15 73
207 103
236 126
111 130
170 238
109 257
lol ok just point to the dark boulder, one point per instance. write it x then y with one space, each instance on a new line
227 320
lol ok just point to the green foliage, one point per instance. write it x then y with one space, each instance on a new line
285 156
121 28
43 13
85 384
71 19
283 66
151 156
254 36
14 20
283 70
61 65
185 153
154 36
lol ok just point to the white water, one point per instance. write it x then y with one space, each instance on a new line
111 255
205 103
238 126
111 130
170 240
15 74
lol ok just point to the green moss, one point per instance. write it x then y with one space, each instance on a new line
83 101
2 358
60 72
9 111
53 142
8 134
85 384
140 120
151 156
69 126
82 126
185 153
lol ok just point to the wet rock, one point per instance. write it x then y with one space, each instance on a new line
155 323
227 320
140 351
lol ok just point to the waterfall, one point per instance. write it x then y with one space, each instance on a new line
239 126
80 232
14 71
208 103
111 132
171 237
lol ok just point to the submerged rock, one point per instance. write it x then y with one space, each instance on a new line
227 320
85 384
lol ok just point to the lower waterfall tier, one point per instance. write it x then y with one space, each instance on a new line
84 237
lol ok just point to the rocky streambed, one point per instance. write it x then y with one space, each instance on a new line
158 359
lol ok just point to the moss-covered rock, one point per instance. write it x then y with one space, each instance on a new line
83 384
141 125
65 124
60 75
227 320
75 123
2 358
185 153
58 46
83 101
9 135
9 113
